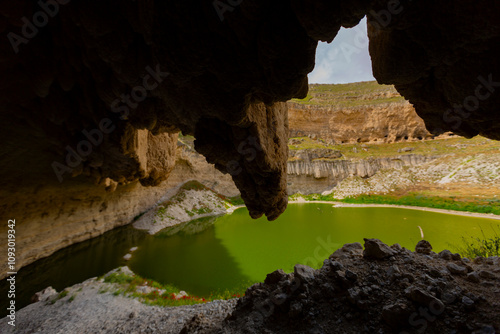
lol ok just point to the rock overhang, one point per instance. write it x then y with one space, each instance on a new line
221 70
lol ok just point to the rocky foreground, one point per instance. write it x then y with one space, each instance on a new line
94 307
380 289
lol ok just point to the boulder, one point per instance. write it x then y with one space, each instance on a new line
376 249
304 273
43 294
423 247
456 269
348 250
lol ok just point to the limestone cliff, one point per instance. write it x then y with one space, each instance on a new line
80 211
320 175
355 113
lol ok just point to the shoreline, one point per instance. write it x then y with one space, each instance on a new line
157 228
420 208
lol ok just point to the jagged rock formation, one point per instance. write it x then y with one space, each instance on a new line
51 215
319 175
355 113
380 289
447 69
131 66
86 85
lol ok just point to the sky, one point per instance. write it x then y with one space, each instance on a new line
344 60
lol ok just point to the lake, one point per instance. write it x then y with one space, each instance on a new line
232 252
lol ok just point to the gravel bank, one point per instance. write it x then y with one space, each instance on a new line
86 308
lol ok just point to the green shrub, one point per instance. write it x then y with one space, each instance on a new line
236 200
194 185
485 247
447 203
129 284
62 294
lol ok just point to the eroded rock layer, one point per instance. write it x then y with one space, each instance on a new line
355 113
320 175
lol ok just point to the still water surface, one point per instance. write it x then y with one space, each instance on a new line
206 255
233 251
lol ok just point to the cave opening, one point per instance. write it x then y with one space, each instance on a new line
346 59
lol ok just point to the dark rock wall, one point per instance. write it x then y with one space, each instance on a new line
93 92
443 57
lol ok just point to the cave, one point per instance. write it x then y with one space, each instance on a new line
94 93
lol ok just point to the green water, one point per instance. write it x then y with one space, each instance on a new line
233 251
72 265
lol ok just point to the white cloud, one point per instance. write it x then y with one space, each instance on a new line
345 60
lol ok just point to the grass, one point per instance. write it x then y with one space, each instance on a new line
236 200
128 287
447 203
478 205
457 145
484 247
305 100
194 185
350 95
61 295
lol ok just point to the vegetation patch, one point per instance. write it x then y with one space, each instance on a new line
160 294
447 203
478 205
484 247
194 185
61 295
350 95
457 145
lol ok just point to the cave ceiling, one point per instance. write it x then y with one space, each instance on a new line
99 89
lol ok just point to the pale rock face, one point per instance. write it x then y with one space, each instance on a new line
319 175
386 123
